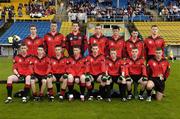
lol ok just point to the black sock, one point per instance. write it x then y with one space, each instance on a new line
129 92
70 87
26 92
112 84
148 92
108 93
141 92
123 90
9 90
101 90
82 90
58 86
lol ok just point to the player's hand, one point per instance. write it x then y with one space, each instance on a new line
144 78
129 79
49 76
65 76
161 77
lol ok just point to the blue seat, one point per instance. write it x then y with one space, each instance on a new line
22 29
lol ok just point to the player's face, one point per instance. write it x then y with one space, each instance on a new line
154 30
33 30
98 30
134 34
40 51
159 54
134 53
23 49
113 54
76 51
58 50
116 32
53 27
95 49
75 27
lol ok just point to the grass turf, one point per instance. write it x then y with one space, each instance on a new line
135 109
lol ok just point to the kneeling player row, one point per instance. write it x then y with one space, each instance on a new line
84 71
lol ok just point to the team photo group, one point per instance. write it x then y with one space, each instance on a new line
93 66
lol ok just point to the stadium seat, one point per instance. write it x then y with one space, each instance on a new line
22 29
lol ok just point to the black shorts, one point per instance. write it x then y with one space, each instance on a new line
135 78
95 77
159 84
115 79
40 77
58 76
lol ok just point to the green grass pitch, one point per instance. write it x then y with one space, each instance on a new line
135 109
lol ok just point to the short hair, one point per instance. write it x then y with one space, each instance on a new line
97 25
112 49
154 26
41 46
158 49
53 22
134 29
134 48
23 44
115 27
33 25
58 46
94 45
77 46
75 22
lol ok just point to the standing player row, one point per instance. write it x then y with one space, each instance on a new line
123 48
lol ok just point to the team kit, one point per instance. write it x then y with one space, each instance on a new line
109 61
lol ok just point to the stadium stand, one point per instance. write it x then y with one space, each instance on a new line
22 29
66 28
168 30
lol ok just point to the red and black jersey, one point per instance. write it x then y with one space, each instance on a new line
102 42
151 45
59 66
41 66
115 68
33 44
79 39
118 44
156 68
136 67
52 40
95 65
23 64
130 44
76 67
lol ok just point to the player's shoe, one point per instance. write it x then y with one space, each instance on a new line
8 100
36 98
141 97
24 100
61 98
82 98
99 97
90 98
148 99
108 100
51 98
71 97
124 99
129 97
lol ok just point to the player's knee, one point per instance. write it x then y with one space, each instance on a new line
70 78
43 81
149 85
9 80
77 80
82 79
33 82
